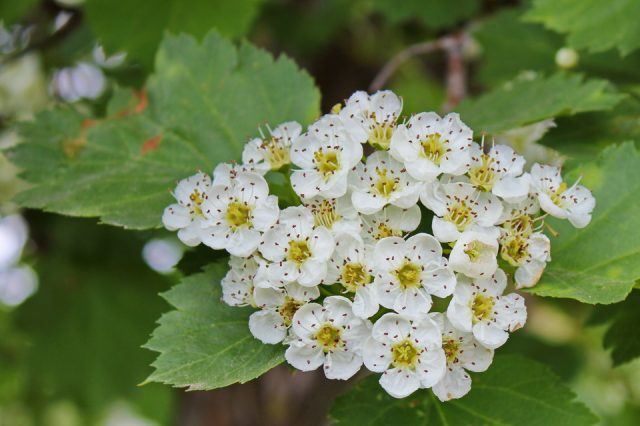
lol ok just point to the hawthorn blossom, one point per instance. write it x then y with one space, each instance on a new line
429 145
499 171
408 352
475 252
528 253
238 213
478 306
329 335
186 215
463 353
458 206
409 271
372 118
278 306
296 249
351 265
574 203
381 181
238 283
272 153
325 155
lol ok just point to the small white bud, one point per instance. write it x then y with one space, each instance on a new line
567 58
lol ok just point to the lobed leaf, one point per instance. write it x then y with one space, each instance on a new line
592 24
527 101
203 103
205 344
514 391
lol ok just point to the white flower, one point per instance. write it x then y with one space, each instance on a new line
408 353
335 214
325 155
518 217
475 252
409 272
391 221
529 253
297 250
463 352
574 203
499 171
457 206
478 306
238 283
329 335
372 118
272 153
381 181
186 215
429 145
278 306
237 213
351 266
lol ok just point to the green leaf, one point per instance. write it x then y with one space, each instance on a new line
95 307
203 103
592 24
434 14
205 344
622 335
138 27
527 101
14 11
583 137
600 263
514 391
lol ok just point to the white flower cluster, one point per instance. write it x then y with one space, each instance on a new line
346 278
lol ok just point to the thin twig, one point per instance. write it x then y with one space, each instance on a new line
452 45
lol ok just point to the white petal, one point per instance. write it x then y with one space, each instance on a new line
267 326
391 328
307 320
512 189
175 217
431 367
306 183
321 244
265 214
341 364
399 383
489 335
339 311
312 273
475 357
268 297
243 242
460 316
529 274
376 355
443 230
367 203
413 302
388 253
456 383
440 282
304 357
365 302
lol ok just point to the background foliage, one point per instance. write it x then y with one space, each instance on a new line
202 77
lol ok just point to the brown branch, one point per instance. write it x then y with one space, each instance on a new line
452 45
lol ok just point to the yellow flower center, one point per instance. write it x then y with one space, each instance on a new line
238 215
515 250
451 349
460 215
326 162
482 308
385 184
556 196
197 199
288 309
329 337
354 275
298 251
433 148
521 225
409 275
325 214
474 249
405 354
380 136
383 231
277 155
483 176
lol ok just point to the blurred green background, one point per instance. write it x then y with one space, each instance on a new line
79 299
